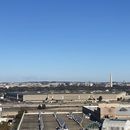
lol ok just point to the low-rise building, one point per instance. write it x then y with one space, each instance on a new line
39 97
3 120
115 110
93 112
116 124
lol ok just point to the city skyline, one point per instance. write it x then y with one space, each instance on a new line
64 40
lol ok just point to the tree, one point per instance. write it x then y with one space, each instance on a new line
100 98
18 118
43 106
39 107
4 126
20 113
119 99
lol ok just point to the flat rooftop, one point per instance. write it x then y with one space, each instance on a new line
31 121
91 92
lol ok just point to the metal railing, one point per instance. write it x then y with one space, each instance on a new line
40 120
18 128
61 123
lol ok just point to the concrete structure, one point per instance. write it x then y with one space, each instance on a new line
3 120
33 97
110 124
51 121
115 110
122 113
93 112
111 110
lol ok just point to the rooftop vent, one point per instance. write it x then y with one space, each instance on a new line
123 109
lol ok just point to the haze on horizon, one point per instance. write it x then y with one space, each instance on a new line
64 40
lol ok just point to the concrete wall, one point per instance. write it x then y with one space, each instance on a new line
34 97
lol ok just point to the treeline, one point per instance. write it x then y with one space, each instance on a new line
63 88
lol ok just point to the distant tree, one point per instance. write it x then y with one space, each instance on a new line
4 126
39 107
106 116
46 98
20 113
100 98
18 118
119 99
43 106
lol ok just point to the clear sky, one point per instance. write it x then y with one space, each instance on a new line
71 40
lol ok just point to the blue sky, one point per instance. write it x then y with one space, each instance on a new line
71 40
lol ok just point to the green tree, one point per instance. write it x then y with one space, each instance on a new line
18 118
4 126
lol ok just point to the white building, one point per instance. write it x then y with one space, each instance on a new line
3 120
88 84
0 111
116 124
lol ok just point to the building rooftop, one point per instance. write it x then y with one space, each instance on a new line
93 125
115 122
123 111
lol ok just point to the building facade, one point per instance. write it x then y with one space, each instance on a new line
116 124
39 97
